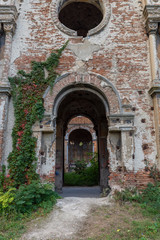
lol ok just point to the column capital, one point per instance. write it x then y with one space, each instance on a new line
152 18
8 17
151 27
9 27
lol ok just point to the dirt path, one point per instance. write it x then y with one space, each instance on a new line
65 220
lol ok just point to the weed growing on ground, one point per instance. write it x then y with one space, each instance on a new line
149 202
18 206
83 175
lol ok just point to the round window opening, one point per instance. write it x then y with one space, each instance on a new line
80 17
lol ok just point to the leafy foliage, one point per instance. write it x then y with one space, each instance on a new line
27 92
2 177
80 166
19 206
6 199
27 198
149 198
83 175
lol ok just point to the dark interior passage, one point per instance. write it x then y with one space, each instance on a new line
88 104
81 17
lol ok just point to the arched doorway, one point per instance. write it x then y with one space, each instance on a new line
87 102
80 142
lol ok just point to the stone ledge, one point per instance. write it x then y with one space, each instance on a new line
154 90
8 14
5 90
118 122
152 13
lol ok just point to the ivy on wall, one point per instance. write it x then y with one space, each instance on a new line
27 90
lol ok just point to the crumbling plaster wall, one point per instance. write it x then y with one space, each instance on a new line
119 52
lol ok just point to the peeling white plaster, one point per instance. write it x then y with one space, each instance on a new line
2 106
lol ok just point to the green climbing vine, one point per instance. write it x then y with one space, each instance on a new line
27 90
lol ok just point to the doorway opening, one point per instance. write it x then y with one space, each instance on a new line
80 159
77 103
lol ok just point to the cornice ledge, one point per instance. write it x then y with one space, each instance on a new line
152 18
5 90
152 13
123 116
8 14
154 90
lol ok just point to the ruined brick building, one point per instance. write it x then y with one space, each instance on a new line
109 73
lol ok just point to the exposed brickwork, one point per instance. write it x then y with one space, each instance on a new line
80 120
131 179
90 79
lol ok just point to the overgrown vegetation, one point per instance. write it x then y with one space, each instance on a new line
27 198
27 92
83 175
17 206
149 201
21 192
115 222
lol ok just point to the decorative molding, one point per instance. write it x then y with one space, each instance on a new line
117 122
154 90
5 90
46 125
151 27
8 16
9 27
152 17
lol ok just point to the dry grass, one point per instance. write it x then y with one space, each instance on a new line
117 222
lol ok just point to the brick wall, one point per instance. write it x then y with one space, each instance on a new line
119 53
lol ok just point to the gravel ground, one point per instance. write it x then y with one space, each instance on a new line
68 216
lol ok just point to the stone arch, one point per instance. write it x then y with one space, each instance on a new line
87 101
81 127
98 84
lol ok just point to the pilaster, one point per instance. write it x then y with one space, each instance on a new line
152 18
8 16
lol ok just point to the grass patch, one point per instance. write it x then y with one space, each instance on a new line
13 226
120 224
134 216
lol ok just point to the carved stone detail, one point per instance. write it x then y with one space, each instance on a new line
152 17
152 27
9 27
8 16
